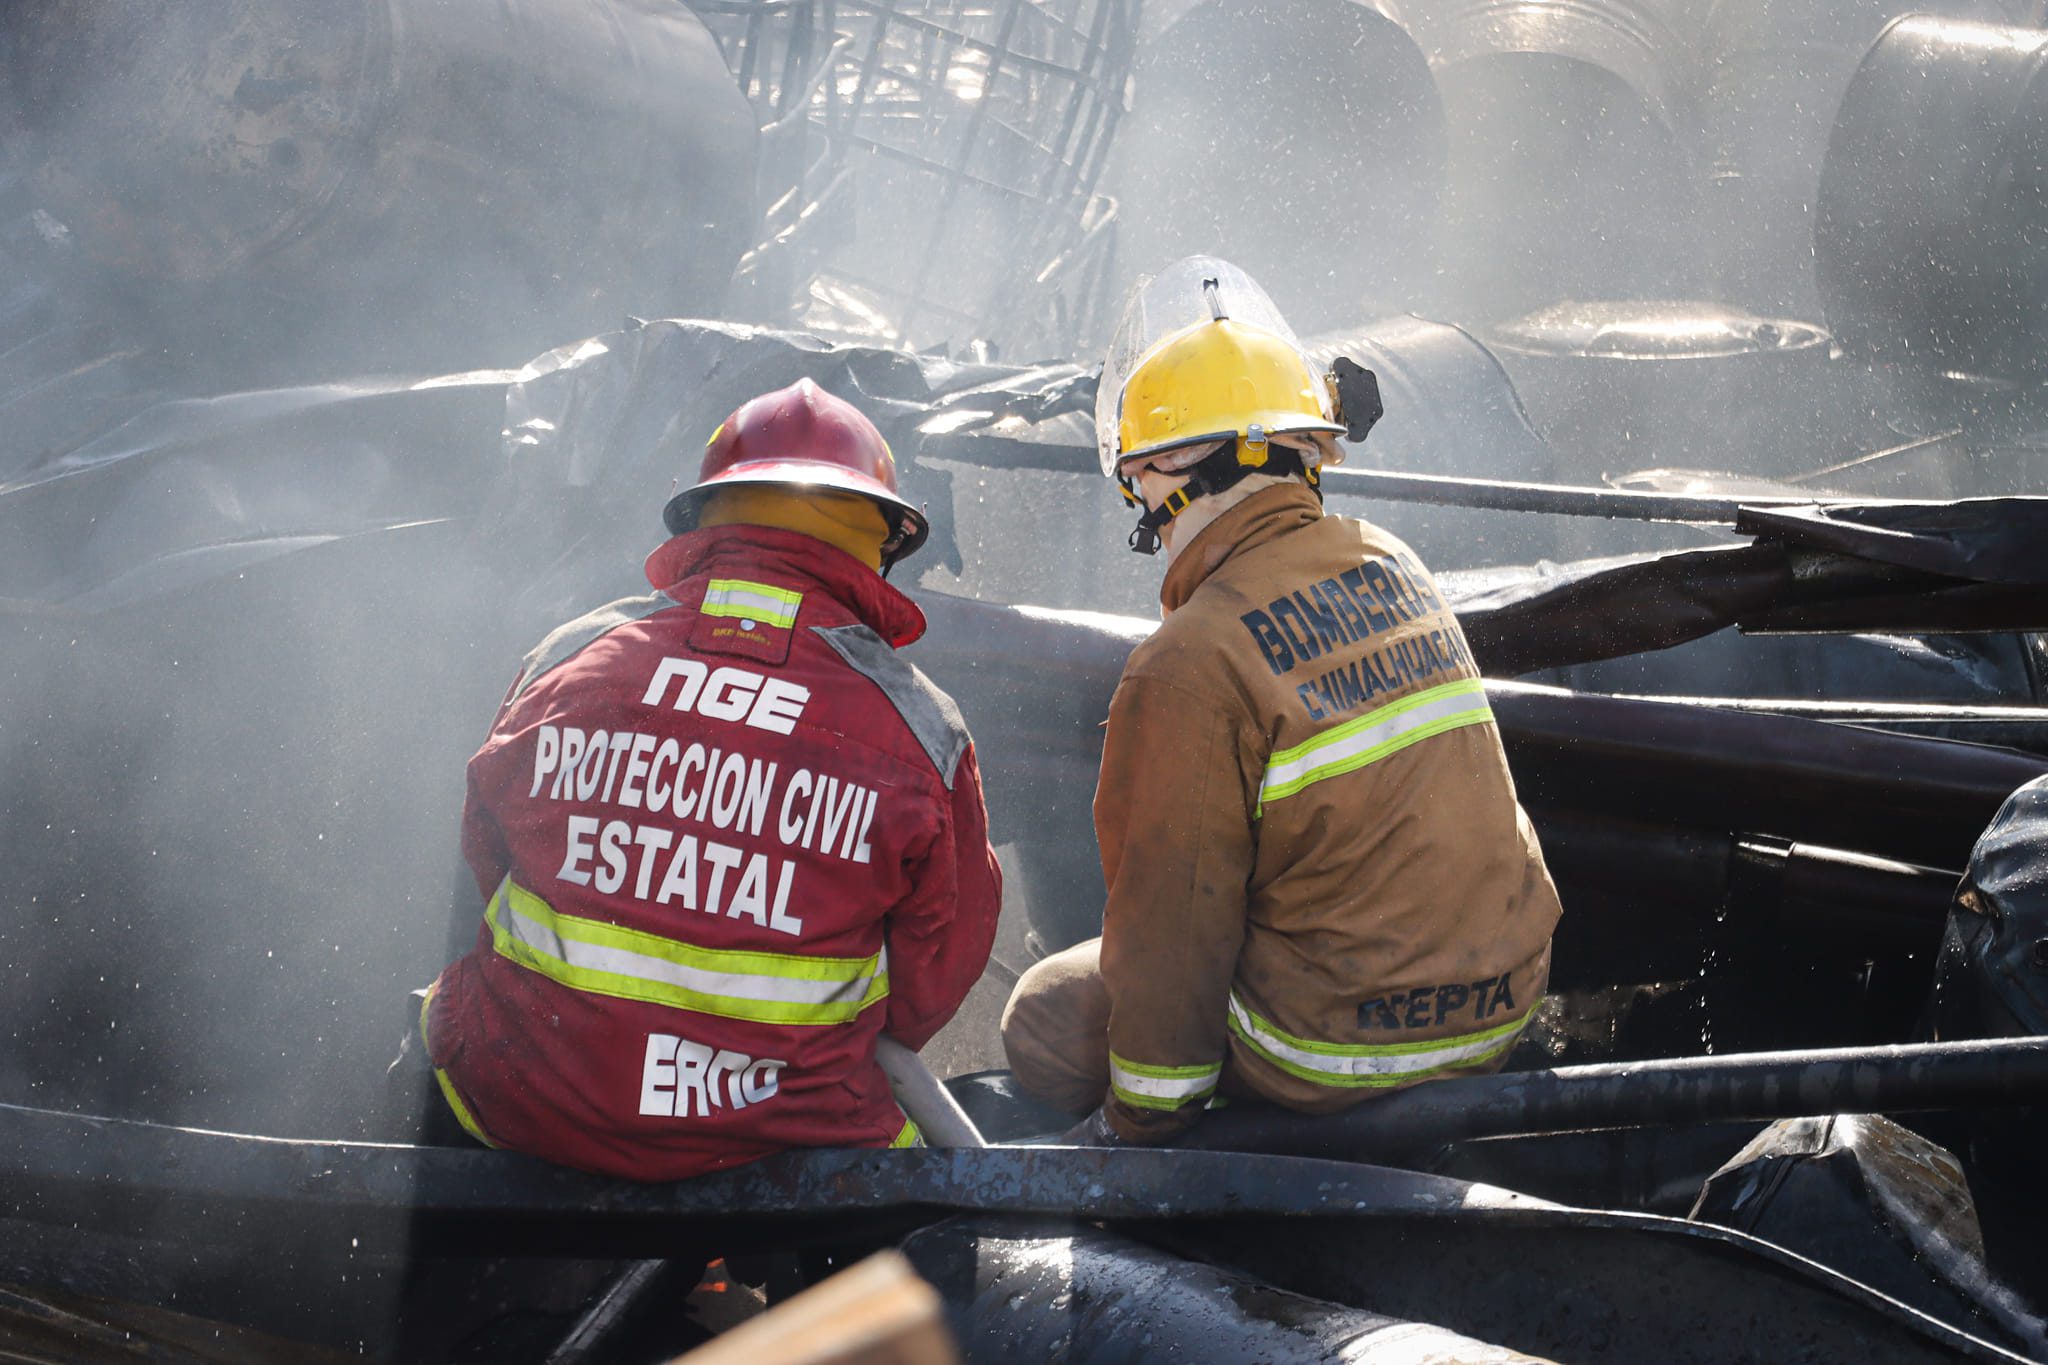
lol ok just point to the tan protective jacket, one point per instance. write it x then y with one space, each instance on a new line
1321 885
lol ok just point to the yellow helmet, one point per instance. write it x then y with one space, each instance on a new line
1216 381
1202 356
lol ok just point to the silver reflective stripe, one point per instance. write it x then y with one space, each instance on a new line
1368 1064
1161 1087
1357 743
761 602
565 641
931 715
788 997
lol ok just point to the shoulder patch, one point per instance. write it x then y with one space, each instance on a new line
565 641
930 713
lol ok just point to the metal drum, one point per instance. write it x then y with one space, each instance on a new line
1620 387
1450 409
406 181
1772 76
1931 235
1301 140
1565 177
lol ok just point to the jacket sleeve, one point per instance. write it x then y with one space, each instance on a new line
939 937
1177 849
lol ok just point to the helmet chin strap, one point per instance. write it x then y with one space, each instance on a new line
1220 471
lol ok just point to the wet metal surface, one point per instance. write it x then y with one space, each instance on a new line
1016 1290
1877 1202
1989 1073
173 1208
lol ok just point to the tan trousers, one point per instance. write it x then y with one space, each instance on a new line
1056 1030
1056 1035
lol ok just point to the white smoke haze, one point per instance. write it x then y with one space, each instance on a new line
254 616
197 207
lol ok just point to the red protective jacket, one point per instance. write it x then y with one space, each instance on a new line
727 837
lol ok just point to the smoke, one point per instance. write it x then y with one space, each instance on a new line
249 641
254 624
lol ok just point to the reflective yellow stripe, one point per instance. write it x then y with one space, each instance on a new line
605 959
762 602
1367 1064
909 1137
461 1110
1370 738
1143 1086
448 1092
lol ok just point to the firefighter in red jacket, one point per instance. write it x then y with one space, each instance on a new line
726 835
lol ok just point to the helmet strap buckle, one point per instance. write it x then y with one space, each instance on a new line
1145 535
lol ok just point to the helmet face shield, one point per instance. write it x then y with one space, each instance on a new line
1202 354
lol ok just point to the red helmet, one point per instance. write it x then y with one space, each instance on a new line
803 437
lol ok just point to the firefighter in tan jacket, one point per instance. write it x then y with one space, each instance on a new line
1321 885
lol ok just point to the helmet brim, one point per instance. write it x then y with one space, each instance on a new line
906 521
1284 424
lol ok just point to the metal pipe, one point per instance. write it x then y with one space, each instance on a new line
1565 500
1020 1291
1443 490
2002 727
929 1104
1756 1086
1920 800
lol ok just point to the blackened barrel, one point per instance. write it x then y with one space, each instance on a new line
454 183
1931 233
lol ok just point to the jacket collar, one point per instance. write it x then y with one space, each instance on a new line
766 550
1265 515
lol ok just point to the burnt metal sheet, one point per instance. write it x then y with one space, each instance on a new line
1725 897
1984 540
1877 1202
1578 613
1554 616
1922 800
69 1181
598 432
193 490
1974 608
1994 958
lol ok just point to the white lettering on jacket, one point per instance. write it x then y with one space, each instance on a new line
732 694
681 1079
698 876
